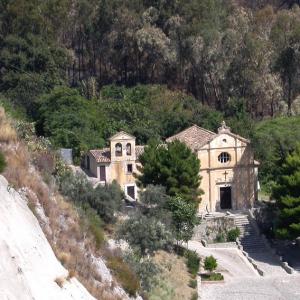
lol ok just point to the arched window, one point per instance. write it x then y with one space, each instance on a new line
118 149
224 157
128 149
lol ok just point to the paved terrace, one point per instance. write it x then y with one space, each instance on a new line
242 282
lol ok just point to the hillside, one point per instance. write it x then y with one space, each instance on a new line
29 267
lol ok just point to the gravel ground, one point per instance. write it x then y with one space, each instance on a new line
242 282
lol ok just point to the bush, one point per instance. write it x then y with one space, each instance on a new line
125 276
233 234
210 263
106 200
2 162
194 296
193 283
212 277
220 238
192 261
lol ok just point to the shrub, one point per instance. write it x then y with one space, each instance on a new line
210 263
220 238
193 283
95 226
192 261
2 162
125 276
145 234
194 296
212 277
233 234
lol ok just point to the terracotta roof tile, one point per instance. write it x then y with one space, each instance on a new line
103 155
194 137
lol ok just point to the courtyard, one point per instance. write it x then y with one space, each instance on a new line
242 282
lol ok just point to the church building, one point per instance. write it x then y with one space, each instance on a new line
228 169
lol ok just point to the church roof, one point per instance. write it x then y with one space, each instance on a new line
123 135
194 137
103 155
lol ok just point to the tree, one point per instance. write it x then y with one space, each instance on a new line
287 194
145 234
210 263
184 217
172 165
2 162
71 121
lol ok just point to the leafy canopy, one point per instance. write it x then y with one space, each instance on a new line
287 194
172 165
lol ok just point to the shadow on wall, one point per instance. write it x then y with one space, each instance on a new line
244 181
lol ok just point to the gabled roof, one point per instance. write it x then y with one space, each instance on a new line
121 133
194 137
103 155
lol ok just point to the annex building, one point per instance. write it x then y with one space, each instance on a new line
228 169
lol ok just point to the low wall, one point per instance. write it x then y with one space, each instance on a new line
210 228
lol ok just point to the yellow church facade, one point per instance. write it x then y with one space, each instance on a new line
228 169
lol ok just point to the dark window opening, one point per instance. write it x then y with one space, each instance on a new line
128 149
129 168
224 157
118 148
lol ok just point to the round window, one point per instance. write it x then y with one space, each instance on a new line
224 157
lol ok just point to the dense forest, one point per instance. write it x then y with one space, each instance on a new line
83 69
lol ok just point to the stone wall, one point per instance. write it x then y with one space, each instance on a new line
210 228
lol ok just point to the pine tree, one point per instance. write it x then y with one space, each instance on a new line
287 194
173 166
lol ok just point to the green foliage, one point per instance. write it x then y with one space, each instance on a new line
287 194
125 276
147 271
105 200
94 224
193 283
274 140
233 234
163 290
210 263
220 238
184 217
145 234
192 261
212 277
173 166
2 162
70 120
194 296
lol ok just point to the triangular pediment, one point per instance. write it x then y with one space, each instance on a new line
122 135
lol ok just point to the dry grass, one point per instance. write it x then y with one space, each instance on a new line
7 133
175 272
71 242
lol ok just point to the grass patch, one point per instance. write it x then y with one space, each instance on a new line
193 283
194 296
125 276
212 277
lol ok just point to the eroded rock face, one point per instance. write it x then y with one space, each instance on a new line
28 266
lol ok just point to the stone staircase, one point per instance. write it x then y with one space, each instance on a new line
249 238
256 248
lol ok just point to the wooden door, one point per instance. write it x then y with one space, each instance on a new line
225 197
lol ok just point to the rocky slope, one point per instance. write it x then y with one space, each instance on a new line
28 266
